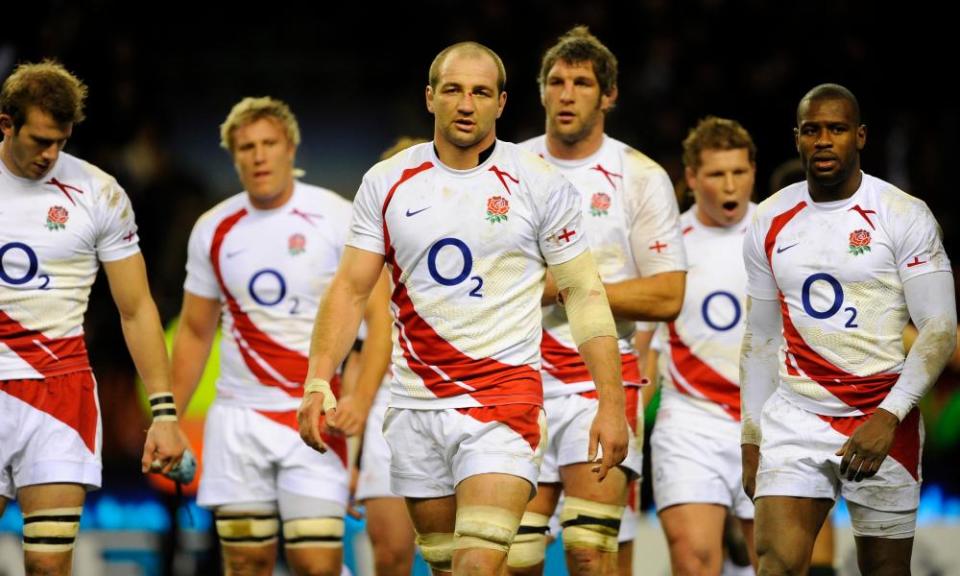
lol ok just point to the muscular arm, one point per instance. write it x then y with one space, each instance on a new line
593 329
758 364
199 317
758 380
144 337
140 321
658 297
930 300
374 358
341 310
335 329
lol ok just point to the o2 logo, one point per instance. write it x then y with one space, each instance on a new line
837 300
709 318
466 256
268 288
20 253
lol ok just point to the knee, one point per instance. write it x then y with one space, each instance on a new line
324 569
249 563
48 539
778 561
393 556
526 571
589 532
883 566
585 560
528 550
47 564
437 550
691 558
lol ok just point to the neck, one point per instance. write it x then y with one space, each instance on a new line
7 161
275 201
462 158
839 191
578 149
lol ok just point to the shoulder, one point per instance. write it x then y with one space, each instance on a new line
209 220
780 202
537 144
638 163
531 168
323 198
102 187
893 199
401 166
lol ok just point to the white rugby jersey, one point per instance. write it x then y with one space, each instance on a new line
53 233
700 359
838 269
468 251
269 269
632 222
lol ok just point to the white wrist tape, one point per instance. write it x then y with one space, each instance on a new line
321 385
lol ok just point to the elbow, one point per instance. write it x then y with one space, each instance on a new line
672 307
673 302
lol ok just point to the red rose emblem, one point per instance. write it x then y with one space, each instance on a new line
57 217
599 204
297 244
497 208
859 242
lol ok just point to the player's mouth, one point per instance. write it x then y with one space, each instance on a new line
825 162
730 206
261 174
566 117
464 124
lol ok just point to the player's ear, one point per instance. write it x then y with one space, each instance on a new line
429 97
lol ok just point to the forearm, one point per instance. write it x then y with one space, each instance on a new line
190 353
375 353
144 337
930 299
335 329
602 357
654 298
758 364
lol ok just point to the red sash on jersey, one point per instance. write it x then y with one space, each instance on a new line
704 379
48 356
566 365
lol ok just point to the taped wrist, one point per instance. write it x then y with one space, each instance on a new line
585 300
320 385
163 407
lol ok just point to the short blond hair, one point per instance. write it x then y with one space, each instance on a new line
250 110
46 85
